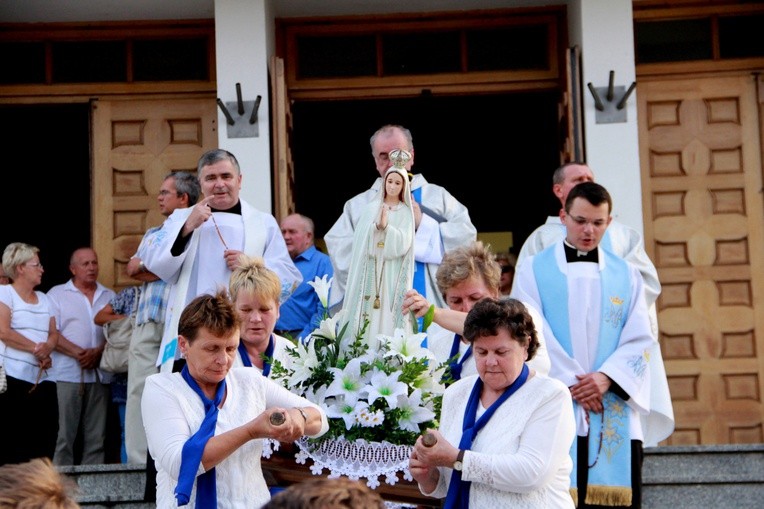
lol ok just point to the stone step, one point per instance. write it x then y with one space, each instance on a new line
674 477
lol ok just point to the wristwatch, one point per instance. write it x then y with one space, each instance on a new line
458 463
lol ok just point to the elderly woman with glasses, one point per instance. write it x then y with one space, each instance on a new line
28 335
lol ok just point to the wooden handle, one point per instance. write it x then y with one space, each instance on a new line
429 439
277 418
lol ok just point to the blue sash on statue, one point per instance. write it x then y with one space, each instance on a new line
268 355
193 449
458 496
609 439
420 281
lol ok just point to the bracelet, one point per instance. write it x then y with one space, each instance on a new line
304 414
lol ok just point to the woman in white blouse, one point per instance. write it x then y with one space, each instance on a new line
505 434
205 425
28 334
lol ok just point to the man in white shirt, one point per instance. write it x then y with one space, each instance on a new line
83 389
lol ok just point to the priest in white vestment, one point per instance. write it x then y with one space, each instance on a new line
627 243
197 248
600 343
442 223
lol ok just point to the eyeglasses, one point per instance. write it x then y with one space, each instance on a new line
164 192
507 268
35 264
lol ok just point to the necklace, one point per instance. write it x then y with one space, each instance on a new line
378 282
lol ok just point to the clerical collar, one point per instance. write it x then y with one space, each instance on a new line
236 209
574 255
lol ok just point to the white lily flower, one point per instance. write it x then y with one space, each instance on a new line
431 381
346 409
347 382
317 396
304 364
328 327
407 346
386 386
321 286
413 412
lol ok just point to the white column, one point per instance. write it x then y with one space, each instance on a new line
242 36
604 31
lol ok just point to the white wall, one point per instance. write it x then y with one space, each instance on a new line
242 42
605 33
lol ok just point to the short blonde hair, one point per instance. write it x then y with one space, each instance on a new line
16 254
36 484
465 262
253 277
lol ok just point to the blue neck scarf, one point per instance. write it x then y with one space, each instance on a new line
268 353
456 366
191 457
459 491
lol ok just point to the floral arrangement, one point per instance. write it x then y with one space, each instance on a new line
386 390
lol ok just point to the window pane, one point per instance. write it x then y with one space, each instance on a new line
89 62
170 60
673 40
428 53
741 36
23 62
334 57
513 48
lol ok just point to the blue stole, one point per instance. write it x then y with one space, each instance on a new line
268 353
420 281
456 366
609 439
459 491
191 456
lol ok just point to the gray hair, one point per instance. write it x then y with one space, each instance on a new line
388 129
215 156
186 183
559 174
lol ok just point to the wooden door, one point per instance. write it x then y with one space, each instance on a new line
283 167
135 144
700 152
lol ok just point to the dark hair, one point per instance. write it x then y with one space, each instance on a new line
212 312
214 156
491 315
325 493
186 183
591 192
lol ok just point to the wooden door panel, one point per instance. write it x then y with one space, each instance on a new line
135 144
701 177
283 166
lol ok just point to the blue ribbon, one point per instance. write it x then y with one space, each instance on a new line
456 366
458 496
420 283
268 353
191 456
